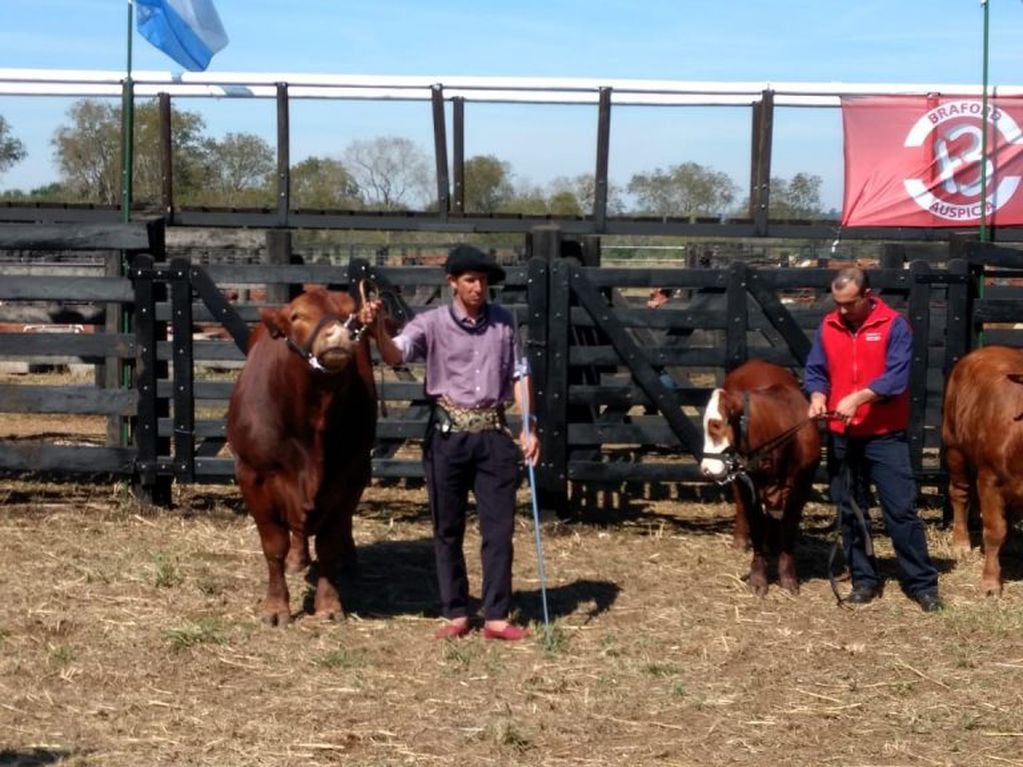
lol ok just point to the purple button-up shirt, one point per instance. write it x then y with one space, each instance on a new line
470 364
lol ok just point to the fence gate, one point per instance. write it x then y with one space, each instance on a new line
621 386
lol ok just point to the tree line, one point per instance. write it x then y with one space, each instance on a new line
382 173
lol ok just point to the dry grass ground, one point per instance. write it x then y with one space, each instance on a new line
130 637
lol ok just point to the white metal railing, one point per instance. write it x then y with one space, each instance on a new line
537 90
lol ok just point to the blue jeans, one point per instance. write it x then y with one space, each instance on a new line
883 461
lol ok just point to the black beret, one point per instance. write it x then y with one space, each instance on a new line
466 258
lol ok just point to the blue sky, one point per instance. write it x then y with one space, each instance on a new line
873 41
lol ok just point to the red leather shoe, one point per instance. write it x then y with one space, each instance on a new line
509 633
452 630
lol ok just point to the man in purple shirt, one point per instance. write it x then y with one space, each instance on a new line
472 372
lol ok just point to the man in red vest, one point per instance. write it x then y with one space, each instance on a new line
857 375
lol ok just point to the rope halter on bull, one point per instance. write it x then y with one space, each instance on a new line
738 461
355 329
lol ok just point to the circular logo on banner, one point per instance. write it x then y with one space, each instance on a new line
954 132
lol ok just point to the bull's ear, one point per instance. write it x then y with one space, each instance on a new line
1015 377
276 322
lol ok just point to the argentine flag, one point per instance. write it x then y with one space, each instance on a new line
189 31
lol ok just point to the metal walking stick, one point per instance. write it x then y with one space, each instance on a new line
536 515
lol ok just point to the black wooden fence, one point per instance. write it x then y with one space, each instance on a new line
619 386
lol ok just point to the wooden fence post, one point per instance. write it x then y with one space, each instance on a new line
736 352
166 158
893 256
550 379
184 390
283 156
958 338
919 310
440 152
278 251
600 185
959 327
591 253
553 479
760 170
111 373
146 432
537 355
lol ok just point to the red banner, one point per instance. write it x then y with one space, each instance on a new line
916 161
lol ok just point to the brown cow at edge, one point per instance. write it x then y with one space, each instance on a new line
983 437
301 423
773 403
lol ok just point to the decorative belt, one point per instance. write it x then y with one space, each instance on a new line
451 418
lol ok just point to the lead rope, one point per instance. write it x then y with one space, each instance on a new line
367 289
868 546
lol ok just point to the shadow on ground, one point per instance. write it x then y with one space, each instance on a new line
398 578
35 757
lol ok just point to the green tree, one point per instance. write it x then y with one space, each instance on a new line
88 152
487 184
392 172
11 149
188 163
323 183
799 197
564 203
582 189
526 201
688 189
52 192
239 170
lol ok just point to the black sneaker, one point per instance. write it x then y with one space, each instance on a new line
861 595
929 601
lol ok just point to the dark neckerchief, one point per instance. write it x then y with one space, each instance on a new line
475 328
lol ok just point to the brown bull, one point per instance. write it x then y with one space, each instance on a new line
982 432
760 405
301 423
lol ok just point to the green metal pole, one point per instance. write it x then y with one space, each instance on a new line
983 134
127 130
128 151
983 235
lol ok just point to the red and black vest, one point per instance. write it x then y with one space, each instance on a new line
855 358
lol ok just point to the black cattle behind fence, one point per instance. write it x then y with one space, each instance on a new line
619 387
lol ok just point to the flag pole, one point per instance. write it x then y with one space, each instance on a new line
127 129
127 147
983 134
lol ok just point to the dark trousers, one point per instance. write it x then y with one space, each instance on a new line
883 461
488 464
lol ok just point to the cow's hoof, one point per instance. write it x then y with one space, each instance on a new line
758 585
991 588
276 618
961 549
791 585
330 613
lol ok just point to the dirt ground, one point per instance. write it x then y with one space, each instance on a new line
129 636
